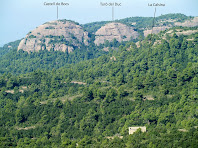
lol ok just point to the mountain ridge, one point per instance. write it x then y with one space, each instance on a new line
65 34
67 40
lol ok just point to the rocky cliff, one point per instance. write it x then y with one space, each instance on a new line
118 31
59 35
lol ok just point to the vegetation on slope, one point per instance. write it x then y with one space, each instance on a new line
114 96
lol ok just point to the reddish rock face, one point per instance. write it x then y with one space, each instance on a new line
58 35
118 31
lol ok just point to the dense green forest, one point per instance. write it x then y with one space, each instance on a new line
20 62
8 47
82 104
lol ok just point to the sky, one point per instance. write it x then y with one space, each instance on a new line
18 17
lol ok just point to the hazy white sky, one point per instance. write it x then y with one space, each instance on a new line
18 17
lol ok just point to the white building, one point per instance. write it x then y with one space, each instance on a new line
134 129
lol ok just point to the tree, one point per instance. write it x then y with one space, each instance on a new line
19 116
87 94
58 103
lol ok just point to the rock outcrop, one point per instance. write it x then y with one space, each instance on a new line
118 31
155 30
61 35
188 23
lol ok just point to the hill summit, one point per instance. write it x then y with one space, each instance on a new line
118 31
59 35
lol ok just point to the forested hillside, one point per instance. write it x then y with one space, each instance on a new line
8 47
93 102
18 62
48 42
